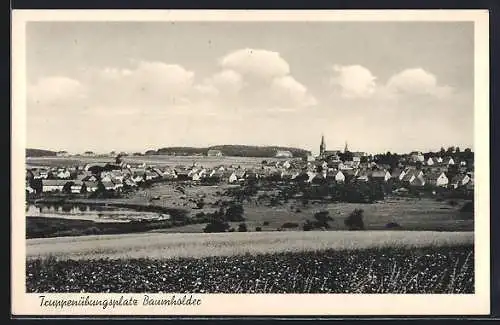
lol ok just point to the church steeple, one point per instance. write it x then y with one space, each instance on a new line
322 146
345 148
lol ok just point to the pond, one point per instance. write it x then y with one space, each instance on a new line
90 212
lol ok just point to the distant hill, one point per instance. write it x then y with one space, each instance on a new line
230 150
39 153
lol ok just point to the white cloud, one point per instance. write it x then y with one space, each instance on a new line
161 77
254 80
256 63
223 82
228 80
353 81
416 81
289 89
147 84
50 91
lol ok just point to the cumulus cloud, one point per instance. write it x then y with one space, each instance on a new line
417 81
247 80
256 63
254 79
356 81
289 88
225 81
353 81
55 90
147 83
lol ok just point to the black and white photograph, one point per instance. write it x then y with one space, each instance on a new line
272 156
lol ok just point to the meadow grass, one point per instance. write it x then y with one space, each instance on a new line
165 246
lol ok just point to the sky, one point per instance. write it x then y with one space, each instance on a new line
134 86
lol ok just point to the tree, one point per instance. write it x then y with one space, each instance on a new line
83 189
37 185
308 225
450 150
355 220
290 225
118 159
346 156
457 149
67 188
242 227
217 225
234 212
322 219
100 187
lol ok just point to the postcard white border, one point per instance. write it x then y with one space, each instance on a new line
268 304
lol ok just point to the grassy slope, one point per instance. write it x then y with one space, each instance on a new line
410 213
154 245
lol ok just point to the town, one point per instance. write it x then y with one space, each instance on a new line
450 169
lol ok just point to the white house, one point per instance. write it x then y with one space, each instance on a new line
195 176
310 176
233 178
411 174
76 186
449 161
29 189
339 176
53 185
437 179
64 174
91 186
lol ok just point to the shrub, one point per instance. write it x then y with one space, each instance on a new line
290 225
322 219
258 229
231 230
266 223
308 225
216 226
242 227
355 220
234 212
393 225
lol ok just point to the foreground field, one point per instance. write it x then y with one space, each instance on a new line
383 270
165 246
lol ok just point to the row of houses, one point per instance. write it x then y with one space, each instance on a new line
86 179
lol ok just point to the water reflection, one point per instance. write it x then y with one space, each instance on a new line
89 212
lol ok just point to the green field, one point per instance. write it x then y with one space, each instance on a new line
409 213
157 245
157 160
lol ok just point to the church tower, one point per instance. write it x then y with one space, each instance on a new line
345 148
322 146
